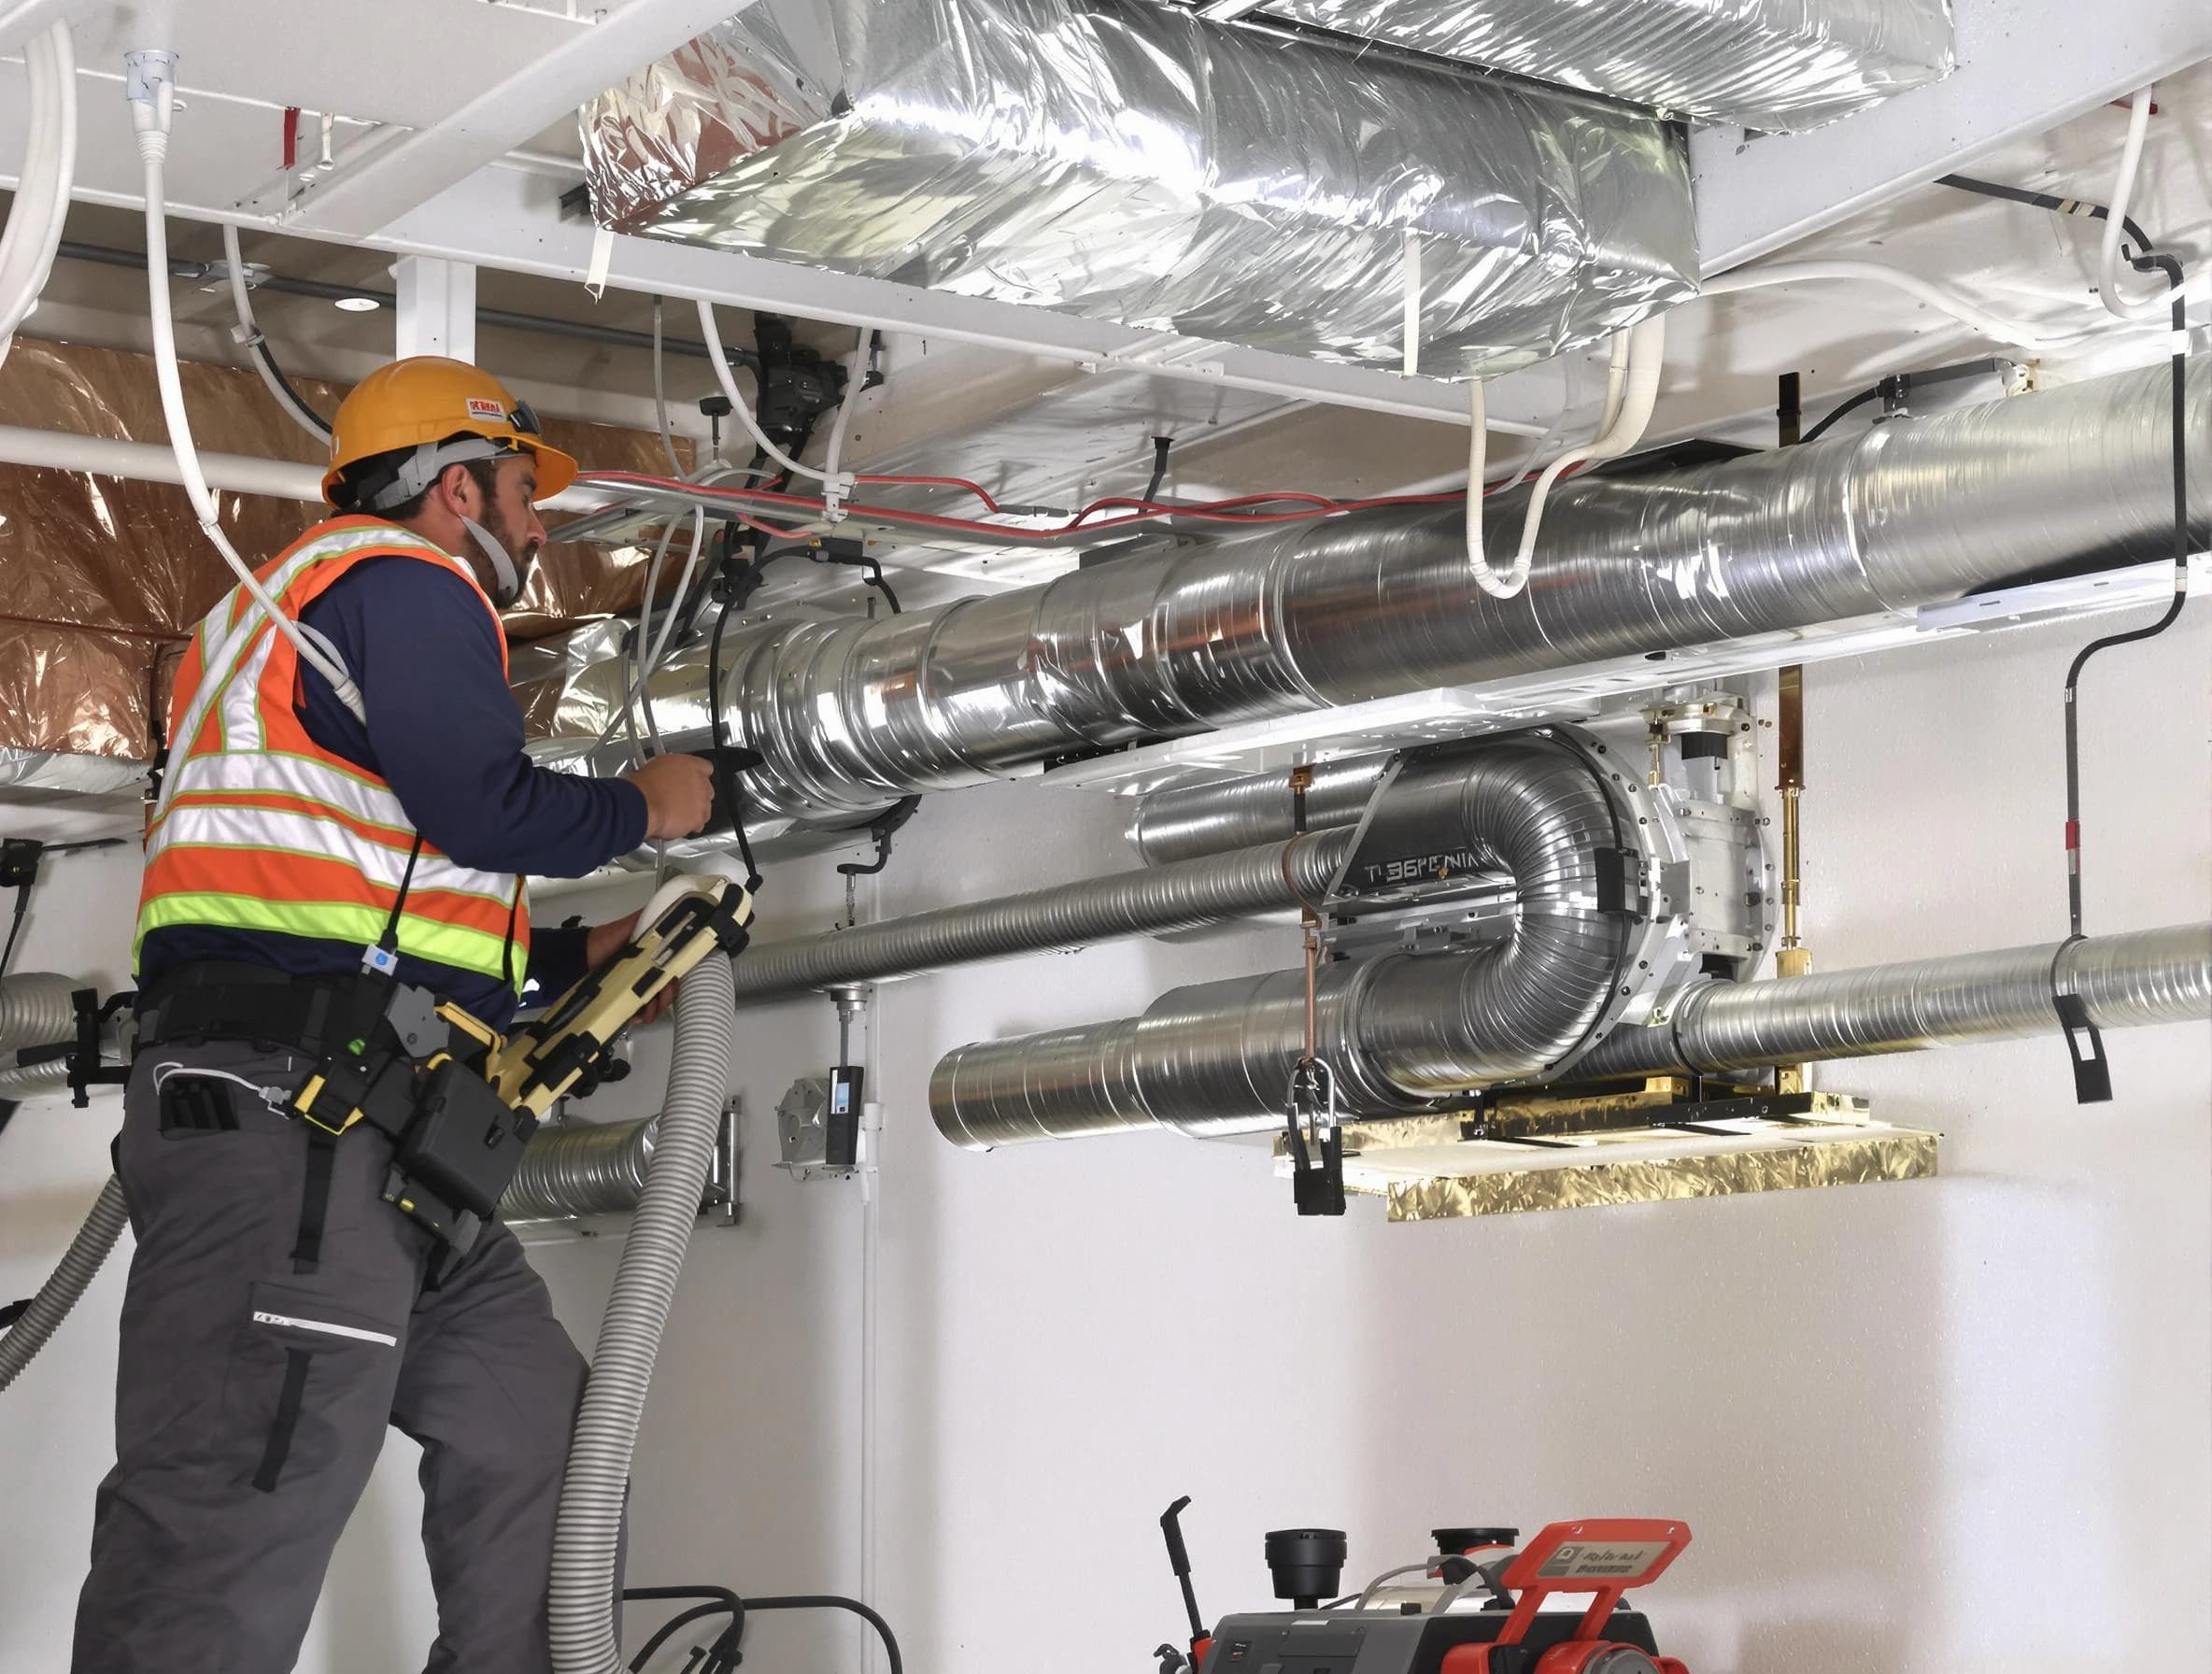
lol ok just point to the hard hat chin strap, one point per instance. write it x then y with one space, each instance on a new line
502 564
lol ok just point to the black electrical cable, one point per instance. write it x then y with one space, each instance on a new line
1160 468
2091 1077
22 905
1853 406
268 359
722 1656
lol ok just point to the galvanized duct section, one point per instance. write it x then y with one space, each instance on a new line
1122 160
582 1167
853 715
1779 66
1205 819
2147 976
1085 1081
1397 1029
1211 889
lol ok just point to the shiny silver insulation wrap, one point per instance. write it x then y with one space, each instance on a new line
1396 1031
1156 901
1074 1081
1777 65
1122 160
1189 820
2147 976
580 1168
853 714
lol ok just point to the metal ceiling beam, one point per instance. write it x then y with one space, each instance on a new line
2024 66
414 168
506 219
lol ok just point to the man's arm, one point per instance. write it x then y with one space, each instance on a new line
446 733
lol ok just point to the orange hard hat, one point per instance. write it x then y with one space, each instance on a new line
429 407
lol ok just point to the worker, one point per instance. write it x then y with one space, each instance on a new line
280 1313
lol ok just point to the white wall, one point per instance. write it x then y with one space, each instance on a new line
1943 1428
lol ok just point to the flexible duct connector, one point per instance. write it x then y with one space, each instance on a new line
36 1010
1397 1030
60 1293
2147 976
581 1169
581 1614
1160 901
851 715
19 1082
1205 819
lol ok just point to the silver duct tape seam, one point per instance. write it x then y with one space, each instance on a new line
1777 65
1123 161
851 715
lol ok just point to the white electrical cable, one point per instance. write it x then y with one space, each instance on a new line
150 86
2159 308
856 376
34 230
1647 353
835 486
247 333
668 441
1616 383
1992 326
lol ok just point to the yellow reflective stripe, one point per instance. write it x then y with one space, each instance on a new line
329 921
280 772
281 830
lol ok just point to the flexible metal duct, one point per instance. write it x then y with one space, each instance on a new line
851 715
1204 819
583 1168
1129 161
2147 976
1397 1029
1212 889
36 1010
1779 66
1110 1076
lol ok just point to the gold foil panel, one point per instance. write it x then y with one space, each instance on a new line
105 578
1856 1159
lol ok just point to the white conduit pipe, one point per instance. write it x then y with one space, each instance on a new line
2158 308
152 91
1992 326
33 230
59 1294
581 1614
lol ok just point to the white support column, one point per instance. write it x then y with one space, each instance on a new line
437 307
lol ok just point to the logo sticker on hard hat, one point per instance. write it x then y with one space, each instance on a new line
480 408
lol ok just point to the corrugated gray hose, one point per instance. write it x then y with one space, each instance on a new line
582 1611
59 1294
35 1010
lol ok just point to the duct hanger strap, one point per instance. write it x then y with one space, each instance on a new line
2085 1042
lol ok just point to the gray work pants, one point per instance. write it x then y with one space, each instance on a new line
255 1387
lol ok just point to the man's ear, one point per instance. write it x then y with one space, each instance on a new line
454 483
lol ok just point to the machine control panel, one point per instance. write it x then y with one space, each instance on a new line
1371 1642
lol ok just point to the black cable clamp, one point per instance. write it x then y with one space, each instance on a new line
85 1068
2085 1042
883 827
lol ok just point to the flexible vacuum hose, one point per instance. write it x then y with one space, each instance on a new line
582 1610
59 1294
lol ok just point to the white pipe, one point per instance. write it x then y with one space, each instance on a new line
2123 190
856 375
153 90
225 473
1994 327
33 230
1631 417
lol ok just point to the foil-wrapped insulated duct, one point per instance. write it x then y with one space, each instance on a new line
1124 160
1185 821
1397 1029
851 715
1105 1077
1777 65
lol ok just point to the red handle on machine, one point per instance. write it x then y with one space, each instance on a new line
1602 1556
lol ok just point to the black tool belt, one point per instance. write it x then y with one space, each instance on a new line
380 1058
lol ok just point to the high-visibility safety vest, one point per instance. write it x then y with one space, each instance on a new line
259 828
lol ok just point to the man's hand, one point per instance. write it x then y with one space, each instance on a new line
603 941
679 795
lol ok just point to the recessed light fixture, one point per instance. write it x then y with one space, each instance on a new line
359 305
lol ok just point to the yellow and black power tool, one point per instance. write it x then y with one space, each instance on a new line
458 1125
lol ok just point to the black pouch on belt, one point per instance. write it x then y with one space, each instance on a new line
456 1158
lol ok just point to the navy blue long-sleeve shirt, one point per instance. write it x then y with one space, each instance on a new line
446 733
